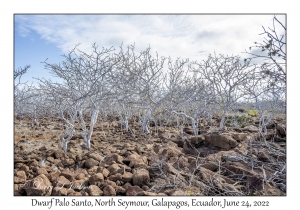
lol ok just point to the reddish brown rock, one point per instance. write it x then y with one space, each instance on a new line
70 191
183 162
68 174
18 189
188 130
281 130
96 179
197 140
224 141
24 168
80 173
103 170
133 190
42 171
94 190
141 177
137 161
79 185
120 190
111 183
115 177
39 186
170 150
126 185
89 163
67 162
210 165
20 177
57 162
170 169
62 181
59 154
96 156
72 151
254 184
58 191
33 164
145 193
74 193
108 190
250 128
113 158
239 136
80 176
113 169
53 175
133 156
145 188
93 170
127 177
179 193
50 159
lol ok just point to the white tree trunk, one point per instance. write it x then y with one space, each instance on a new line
223 120
145 126
65 147
125 123
87 136
195 127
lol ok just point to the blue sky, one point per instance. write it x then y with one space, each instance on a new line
32 50
38 37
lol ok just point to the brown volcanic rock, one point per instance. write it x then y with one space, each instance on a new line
127 177
239 136
53 175
108 190
133 190
120 190
96 156
113 158
281 130
39 186
67 162
20 177
68 174
113 169
96 179
141 177
42 171
104 171
62 181
58 191
135 156
223 141
170 149
137 160
94 190
115 177
89 163
197 140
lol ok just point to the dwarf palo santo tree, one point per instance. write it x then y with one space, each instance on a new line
273 52
85 85
225 76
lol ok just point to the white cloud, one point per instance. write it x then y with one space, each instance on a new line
186 36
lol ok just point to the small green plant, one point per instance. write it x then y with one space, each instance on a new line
253 112
190 192
237 121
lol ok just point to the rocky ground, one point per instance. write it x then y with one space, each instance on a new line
234 161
